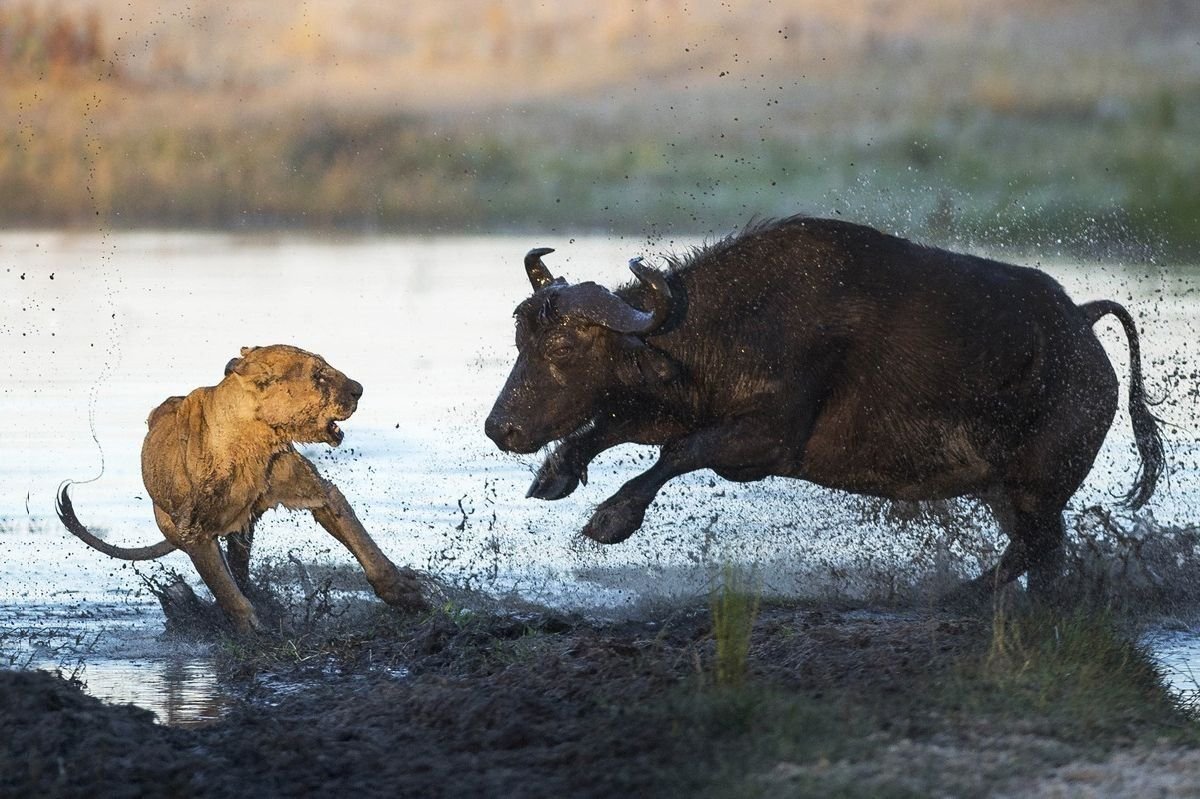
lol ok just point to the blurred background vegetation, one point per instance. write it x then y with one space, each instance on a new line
1051 126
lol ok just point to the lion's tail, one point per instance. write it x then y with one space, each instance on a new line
66 514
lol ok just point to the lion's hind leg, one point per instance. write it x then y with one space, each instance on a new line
237 552
210 563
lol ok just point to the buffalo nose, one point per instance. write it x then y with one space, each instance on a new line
501 432
355 388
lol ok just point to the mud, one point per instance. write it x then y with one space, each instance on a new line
465 703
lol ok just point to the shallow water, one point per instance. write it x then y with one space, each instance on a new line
97 330
1178 654
117 654
180 691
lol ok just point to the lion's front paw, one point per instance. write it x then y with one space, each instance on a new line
403 591
557 478
615 520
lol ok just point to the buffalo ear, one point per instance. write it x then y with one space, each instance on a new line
644 365
656 366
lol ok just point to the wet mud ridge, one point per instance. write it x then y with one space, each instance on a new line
849 701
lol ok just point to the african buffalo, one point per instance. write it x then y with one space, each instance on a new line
835 353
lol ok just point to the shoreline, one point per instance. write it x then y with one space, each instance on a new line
835 699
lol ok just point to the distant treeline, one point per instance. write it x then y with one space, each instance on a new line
50 42
1001 128
1065 187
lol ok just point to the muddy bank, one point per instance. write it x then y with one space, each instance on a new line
462 703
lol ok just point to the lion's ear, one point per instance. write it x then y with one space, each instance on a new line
247 350
250 369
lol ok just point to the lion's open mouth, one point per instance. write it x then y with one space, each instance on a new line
334 432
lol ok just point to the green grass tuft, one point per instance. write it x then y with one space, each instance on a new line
1076 674
734 606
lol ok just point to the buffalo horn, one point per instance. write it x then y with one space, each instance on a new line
660 293
539 275
601 306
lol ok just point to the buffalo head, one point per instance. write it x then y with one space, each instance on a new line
577 346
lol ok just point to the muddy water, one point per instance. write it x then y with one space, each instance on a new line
96 330
115 651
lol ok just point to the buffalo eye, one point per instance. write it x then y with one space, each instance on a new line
559 348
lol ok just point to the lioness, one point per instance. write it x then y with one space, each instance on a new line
216 460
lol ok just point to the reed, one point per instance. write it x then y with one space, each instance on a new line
734 605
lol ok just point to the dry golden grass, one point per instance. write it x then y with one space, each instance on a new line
658 116
465 54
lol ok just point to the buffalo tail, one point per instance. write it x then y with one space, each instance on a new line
1145 424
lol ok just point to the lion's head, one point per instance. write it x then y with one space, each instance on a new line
296 393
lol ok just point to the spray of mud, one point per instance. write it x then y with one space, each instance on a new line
105 274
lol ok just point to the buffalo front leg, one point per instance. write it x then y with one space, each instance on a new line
397 587
210 563
742 449
566 467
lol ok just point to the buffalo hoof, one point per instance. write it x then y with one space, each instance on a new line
556 479
552 486
614 521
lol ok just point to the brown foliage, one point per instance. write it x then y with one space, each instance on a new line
53 44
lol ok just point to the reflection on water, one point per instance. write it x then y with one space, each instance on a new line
116 650
180 691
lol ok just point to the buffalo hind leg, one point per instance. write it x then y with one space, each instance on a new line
1035 548
210 563
1046 536
737 448
1052 464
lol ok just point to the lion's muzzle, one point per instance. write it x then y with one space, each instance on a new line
348 399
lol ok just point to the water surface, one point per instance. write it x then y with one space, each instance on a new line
98 329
